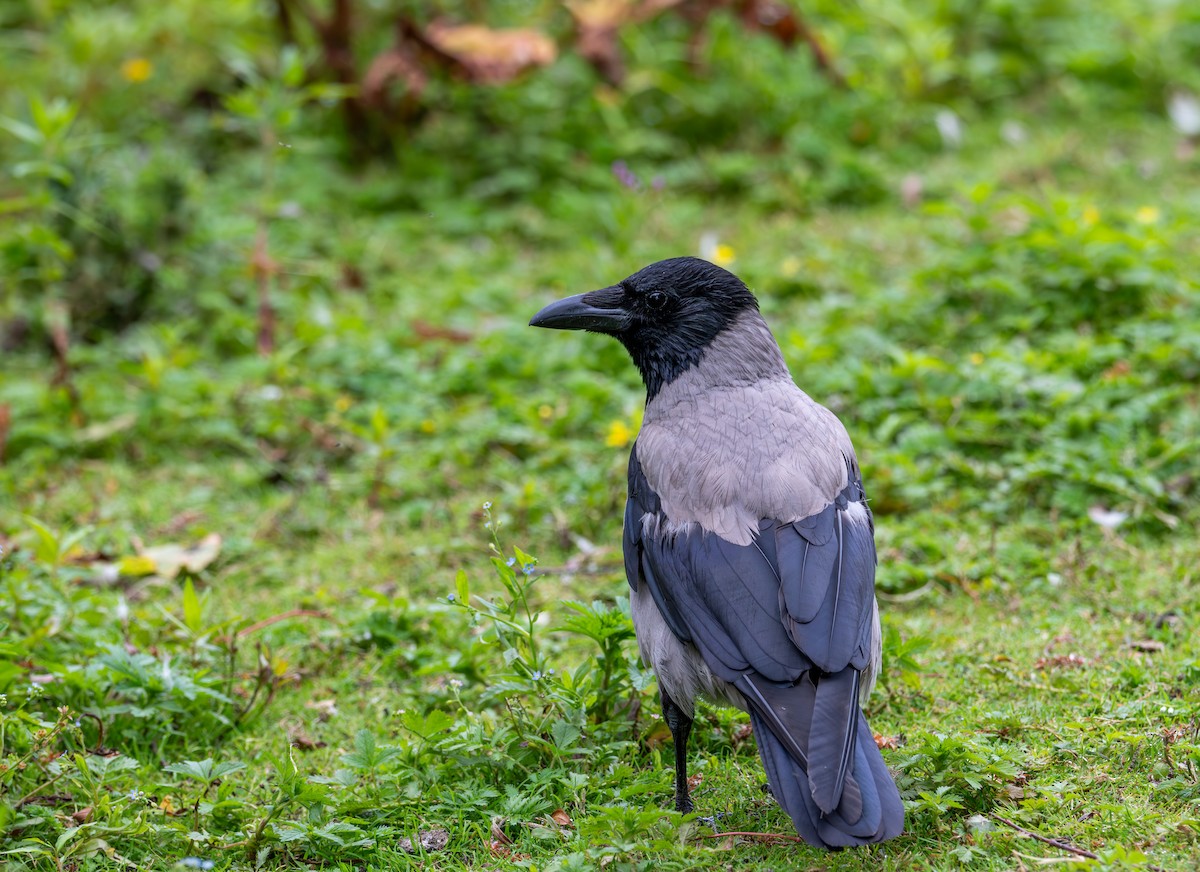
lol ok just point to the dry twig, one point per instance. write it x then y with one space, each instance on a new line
1046 840
758 837
275 619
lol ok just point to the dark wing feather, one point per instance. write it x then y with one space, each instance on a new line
643 502
827 596
727 599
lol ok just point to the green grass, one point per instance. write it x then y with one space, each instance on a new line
1018 350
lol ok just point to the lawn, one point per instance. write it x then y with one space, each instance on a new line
351 596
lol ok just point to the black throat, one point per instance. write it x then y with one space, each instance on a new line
660 365
739 352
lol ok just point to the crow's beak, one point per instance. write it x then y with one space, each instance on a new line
596 310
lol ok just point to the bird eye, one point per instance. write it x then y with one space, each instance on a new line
656 299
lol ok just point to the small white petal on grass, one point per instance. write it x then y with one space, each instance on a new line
950 127
1107 519
980 824
1013 132
1184 110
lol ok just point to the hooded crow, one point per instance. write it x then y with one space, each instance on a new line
749 545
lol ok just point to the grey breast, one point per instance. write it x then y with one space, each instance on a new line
733 440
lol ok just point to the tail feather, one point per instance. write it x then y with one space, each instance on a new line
831 737
852 799
781 775
832 801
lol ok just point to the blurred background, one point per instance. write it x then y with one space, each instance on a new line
265 271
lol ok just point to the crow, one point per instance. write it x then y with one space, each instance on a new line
749 545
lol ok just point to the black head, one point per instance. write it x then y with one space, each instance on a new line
665 314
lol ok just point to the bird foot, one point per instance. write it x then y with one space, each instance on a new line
683 804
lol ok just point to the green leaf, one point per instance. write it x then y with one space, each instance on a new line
21 130
564 734
46 551
42 169
199 769
192 609
462 588
367 754
291 67
379 424
427 725
525 560
290 833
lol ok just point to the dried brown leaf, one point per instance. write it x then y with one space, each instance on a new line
5 424
170 560
167 806
325 708
774 18
597 23
561 818
492 56
1061 661
394 65
427 331
502 850
1120 369
303 741
497 830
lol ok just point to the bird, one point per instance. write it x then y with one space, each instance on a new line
748 545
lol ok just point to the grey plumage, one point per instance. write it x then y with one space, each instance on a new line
749 545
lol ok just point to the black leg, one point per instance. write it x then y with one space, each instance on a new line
681 728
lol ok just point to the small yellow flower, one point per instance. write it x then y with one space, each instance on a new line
342 403
724 255
136 566
608 96
166 805
977 358
618 435
427 426
790 266
137 70
545 412
1147 215
1091 216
